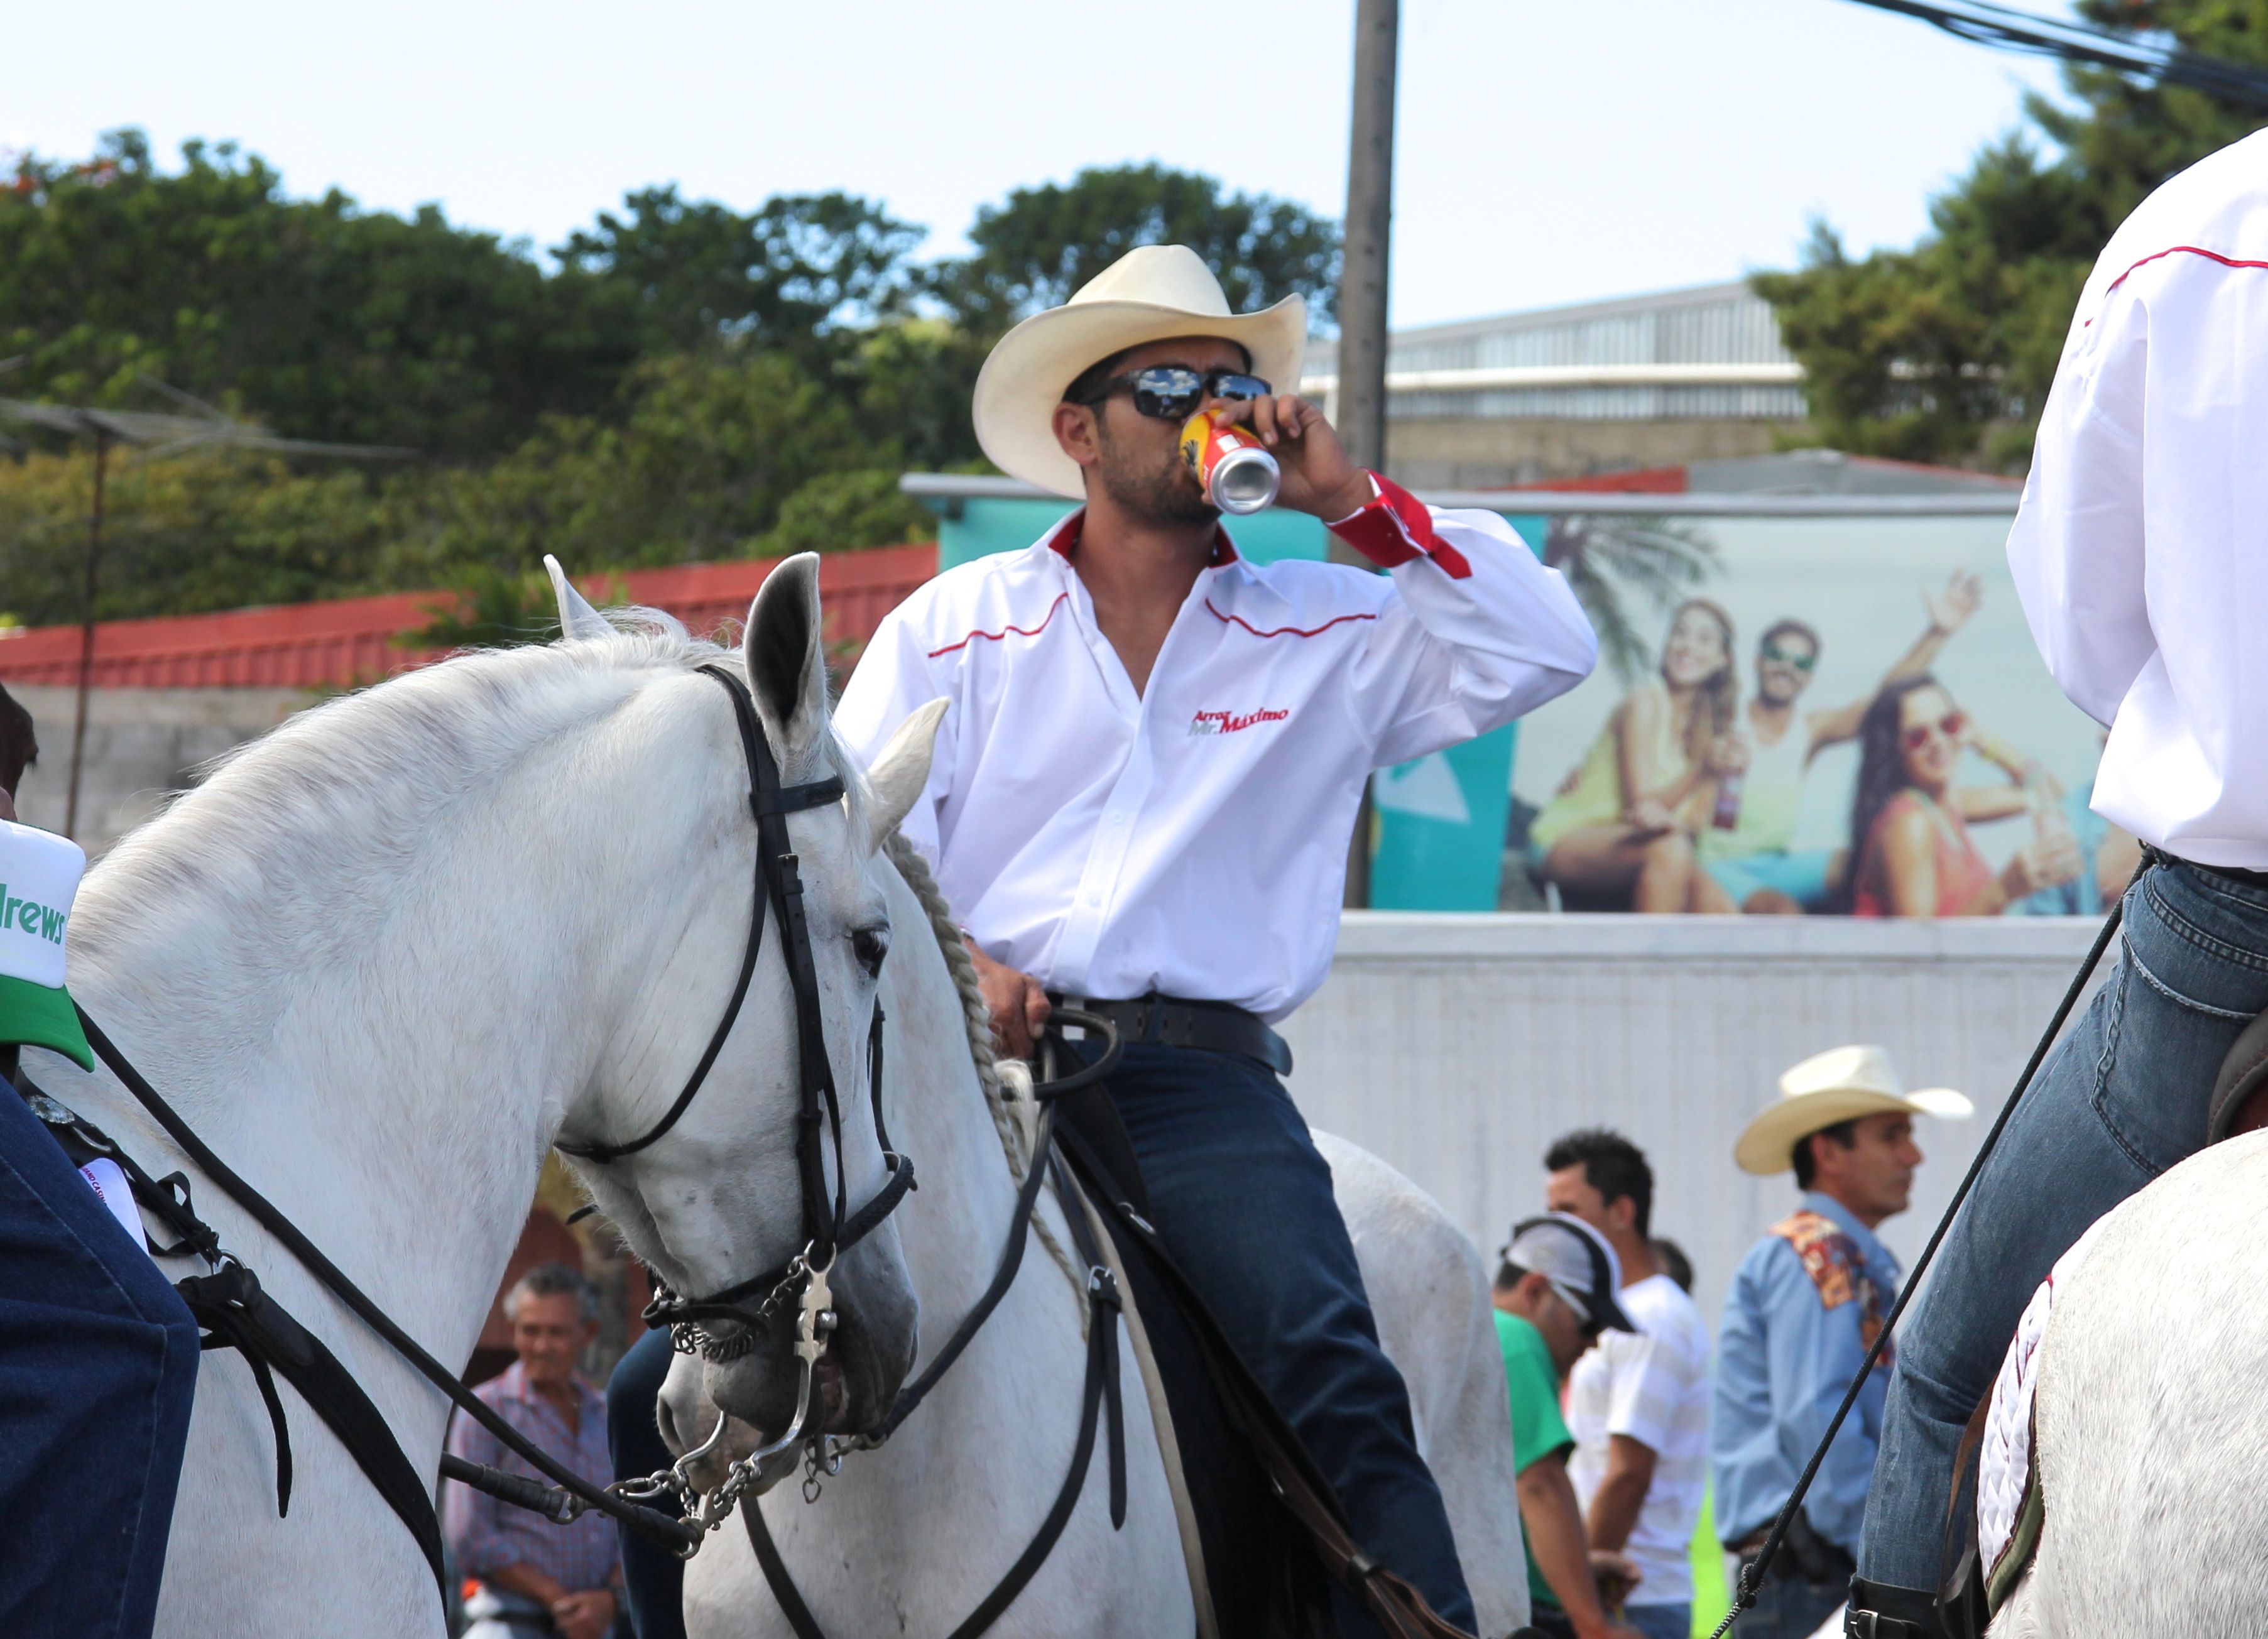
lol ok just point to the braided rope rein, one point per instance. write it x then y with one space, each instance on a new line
1007 1088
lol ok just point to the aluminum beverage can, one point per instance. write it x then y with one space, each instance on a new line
1233 466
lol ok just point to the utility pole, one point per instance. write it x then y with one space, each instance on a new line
1369 232
102 437
1366 240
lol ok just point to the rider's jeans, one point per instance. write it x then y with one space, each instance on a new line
97 1364
1244 1203
1788 1608
2122 1098
653 1578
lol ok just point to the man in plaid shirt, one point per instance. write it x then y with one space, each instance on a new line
540 1578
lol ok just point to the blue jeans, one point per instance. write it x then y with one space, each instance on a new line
98 1365
2122 1098
1244 1202
653 1578
1791 1609
1660 1621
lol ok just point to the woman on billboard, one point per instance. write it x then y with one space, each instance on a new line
1622 825
1910 821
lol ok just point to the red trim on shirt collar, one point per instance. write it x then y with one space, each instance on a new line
1397 529
1064 540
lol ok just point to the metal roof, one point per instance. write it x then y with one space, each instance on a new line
349 642
1712 352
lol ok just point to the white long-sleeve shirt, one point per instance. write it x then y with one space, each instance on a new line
2140 552
1191 839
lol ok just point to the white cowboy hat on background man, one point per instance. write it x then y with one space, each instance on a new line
1153 294
1839 1084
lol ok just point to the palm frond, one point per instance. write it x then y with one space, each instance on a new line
1605 556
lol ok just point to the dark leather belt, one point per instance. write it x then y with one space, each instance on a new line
1210 1027
2234 873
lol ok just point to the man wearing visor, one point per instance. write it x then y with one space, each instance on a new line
1142 794
1555 1282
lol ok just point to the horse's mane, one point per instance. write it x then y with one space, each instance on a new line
369 773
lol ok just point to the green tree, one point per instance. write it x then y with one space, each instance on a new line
687 382
1040 244
1945 352
796 274
711 446
186 534
329 322
489 608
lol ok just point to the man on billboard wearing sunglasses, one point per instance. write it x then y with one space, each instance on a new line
1142 794
1747 852
2137 557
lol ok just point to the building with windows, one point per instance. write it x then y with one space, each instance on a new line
1660 381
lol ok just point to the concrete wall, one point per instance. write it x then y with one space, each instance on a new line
1458 1047
141 742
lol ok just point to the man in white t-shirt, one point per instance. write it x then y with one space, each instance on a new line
1638 1402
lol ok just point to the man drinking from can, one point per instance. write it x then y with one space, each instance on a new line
1142 795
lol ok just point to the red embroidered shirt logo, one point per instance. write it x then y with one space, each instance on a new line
1231 722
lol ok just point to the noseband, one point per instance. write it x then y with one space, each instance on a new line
828 1226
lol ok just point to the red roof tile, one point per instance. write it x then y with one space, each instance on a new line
349 641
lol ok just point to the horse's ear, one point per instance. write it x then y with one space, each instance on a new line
787 671
577 618
900 774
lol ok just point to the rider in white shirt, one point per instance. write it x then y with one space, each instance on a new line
1142 793
2137 553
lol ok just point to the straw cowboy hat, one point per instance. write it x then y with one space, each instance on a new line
1837 1085
1151 294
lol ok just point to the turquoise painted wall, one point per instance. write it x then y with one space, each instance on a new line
1437 824
1437 832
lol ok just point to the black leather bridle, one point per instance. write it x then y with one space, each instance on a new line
828 1228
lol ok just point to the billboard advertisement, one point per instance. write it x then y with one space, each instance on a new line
1821 716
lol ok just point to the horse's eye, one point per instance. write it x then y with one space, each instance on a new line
871 945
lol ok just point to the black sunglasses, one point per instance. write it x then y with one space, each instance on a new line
1173 392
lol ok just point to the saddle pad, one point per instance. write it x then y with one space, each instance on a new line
2009 1508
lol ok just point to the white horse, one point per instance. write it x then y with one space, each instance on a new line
2147 1422
383 957
911 1538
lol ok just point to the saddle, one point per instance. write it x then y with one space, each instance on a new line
1268 1532
2240 1092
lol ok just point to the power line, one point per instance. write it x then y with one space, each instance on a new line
2005 27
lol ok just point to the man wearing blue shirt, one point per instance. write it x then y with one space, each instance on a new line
1807 1302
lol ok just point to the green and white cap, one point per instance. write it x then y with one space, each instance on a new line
39 879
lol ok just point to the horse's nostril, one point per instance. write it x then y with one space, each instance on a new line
667 1424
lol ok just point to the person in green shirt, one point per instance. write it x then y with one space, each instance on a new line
1555 1293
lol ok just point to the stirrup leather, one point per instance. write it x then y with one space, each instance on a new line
1879 1611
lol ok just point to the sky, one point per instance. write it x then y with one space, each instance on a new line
1546 154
